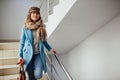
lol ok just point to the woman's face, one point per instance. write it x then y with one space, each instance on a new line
35 16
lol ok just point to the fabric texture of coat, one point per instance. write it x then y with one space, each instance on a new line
26 48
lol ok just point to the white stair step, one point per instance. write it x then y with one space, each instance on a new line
9 77
8 66
8 43
8 53
8 61
15 76
9 69
9 46
2 58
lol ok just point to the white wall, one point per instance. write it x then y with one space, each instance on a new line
59 13
98 57
84 18
13 14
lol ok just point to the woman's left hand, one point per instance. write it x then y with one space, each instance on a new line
53 51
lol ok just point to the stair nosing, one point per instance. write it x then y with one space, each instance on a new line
2 43
2 58
9 76
8 66
8 49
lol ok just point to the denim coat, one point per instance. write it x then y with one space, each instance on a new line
26 48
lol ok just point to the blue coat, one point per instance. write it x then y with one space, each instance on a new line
26 48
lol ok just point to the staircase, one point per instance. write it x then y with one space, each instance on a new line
8 59
9 50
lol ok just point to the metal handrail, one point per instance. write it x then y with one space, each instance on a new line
57 72
47 73
50 64
64 69
62 66
48 76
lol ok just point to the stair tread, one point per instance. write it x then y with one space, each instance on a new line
7 43
1 58
14 76
6 77
9 50
8 66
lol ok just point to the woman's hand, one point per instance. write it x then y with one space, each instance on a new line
20 61
53 51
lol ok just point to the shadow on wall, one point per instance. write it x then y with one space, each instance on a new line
56 2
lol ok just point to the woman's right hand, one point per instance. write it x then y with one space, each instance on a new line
21 61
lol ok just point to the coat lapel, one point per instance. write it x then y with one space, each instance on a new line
29 34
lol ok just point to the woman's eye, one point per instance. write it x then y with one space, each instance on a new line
35 12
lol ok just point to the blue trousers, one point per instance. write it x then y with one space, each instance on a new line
35 68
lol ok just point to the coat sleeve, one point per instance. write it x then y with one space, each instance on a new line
47 45
22 41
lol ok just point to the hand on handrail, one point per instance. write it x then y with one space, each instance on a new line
53 51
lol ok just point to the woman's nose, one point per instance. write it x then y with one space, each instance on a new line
35 14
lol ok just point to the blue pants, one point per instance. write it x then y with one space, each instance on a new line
35 68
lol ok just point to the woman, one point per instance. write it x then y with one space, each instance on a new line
32 42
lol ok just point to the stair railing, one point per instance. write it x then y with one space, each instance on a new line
61 65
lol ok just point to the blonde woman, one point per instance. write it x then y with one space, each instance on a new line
32 42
